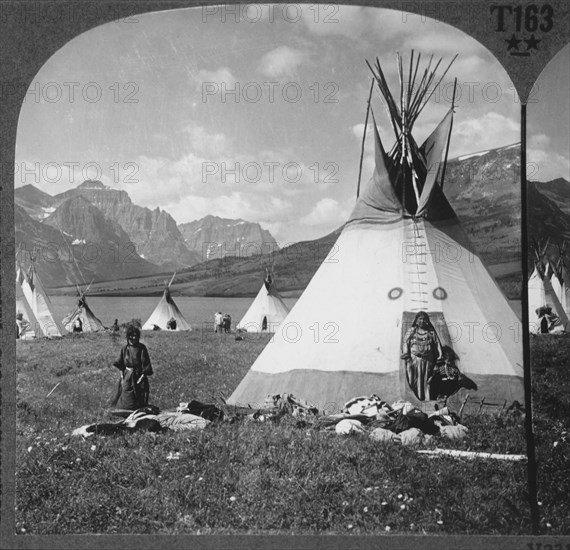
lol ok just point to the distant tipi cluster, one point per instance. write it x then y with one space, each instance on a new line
549 291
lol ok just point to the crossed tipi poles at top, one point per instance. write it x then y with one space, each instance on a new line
413 98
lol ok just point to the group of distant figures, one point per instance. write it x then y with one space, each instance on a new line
222 322
547 320
22 325
171 324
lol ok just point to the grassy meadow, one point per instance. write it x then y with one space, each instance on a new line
273 478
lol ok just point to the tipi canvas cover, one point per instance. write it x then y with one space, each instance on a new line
164 311
37 297
401 252
29 323
89 321
562 285
536 298
266 312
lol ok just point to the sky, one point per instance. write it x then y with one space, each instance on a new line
548 121
259 118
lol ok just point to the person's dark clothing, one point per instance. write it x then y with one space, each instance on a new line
134 364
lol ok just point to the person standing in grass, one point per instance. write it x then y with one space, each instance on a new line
135 366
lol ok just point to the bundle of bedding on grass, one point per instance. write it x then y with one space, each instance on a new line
400 422
147 419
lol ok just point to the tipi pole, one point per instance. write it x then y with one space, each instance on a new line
530 447
364 136
448 137
172 279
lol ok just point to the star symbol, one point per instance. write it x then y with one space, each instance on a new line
532 42
513 43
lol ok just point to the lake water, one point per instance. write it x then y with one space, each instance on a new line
196 310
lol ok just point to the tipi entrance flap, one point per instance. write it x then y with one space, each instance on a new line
422 356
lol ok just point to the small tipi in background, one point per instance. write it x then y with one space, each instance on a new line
34 291
561 280
89 321
401 254
27 324
545 312
165 312
267 311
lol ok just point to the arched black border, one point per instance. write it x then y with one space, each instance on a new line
27 40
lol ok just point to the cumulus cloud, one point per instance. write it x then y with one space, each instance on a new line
538 141
546 165
351 21
489 131
282 61
233 204
205 143
326 212
213 83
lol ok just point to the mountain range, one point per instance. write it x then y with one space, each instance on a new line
98 233
137 243
483 189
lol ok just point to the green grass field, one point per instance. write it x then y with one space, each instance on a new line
271 478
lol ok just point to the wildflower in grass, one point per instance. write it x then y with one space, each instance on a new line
30 449
384 503
368 489
77 460
402 506
93 447
387 528
439 522
232 499
400 496
548 525
365 509
350 526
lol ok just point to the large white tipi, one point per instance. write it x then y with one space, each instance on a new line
267 311
164 312
34 291
401 252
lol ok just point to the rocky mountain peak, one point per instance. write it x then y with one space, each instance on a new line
92 184
215 237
